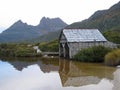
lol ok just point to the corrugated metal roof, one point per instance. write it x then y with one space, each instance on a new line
83 35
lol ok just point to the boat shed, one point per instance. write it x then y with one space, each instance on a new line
73 40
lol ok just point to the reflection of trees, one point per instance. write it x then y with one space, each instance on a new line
77 74
21 63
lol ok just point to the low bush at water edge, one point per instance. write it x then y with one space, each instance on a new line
113 58
17 50
92 54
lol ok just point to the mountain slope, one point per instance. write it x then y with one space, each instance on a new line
20 31
103 20
107 21
46 37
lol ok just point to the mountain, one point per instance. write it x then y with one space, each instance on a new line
48 24
103 20
107 21
45 38
1 29
20 31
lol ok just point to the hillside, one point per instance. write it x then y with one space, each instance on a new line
20 31
102 19
107 21
17 32
45 38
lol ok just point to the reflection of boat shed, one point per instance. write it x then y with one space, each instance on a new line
74 74
71 75
73 40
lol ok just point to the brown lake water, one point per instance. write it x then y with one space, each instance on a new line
56 74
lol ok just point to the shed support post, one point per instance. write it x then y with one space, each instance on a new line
70 56
59 50
64 49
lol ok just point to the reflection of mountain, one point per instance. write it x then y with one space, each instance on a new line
21 63
73 75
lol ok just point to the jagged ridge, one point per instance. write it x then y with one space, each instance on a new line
20 31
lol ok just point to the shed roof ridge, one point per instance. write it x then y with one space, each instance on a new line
81 29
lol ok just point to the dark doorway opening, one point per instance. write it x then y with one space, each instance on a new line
66 50
61 52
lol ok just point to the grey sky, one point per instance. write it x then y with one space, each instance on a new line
31 11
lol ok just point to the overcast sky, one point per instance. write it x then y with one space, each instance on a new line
31 11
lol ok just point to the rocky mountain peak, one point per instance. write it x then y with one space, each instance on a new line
50 20
19 23
23 31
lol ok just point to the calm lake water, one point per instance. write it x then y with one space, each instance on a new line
56 74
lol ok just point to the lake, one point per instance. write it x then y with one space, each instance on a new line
56 74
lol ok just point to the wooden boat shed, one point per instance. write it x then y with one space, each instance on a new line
73 40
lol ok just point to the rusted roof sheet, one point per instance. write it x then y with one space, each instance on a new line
83 35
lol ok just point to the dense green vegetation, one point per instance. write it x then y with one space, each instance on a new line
49 46
113 58
17 50
7 49
93 54
26 50
113 36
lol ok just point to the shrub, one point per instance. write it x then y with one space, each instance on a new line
24 52
18 50
93 54
7 49
52 46
113 58
113 36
